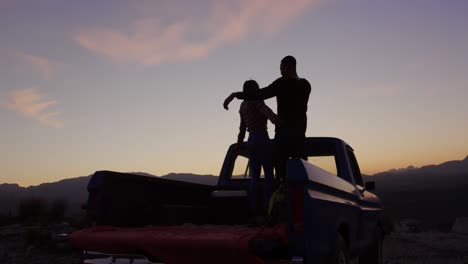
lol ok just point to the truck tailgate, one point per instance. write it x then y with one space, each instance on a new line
180 244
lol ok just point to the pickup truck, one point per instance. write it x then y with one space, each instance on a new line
331 215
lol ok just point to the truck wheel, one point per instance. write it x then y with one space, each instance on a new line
374 254
340 253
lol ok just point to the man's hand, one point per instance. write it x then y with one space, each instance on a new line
228 100
278 122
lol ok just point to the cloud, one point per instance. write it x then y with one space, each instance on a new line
30 103
43 65
150 41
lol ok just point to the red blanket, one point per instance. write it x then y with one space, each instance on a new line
179 244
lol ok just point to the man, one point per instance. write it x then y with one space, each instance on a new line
292 95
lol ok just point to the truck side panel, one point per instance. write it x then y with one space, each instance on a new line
331 205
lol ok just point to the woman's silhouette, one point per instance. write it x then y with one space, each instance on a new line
254 115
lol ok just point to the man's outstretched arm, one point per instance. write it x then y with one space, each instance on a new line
264 109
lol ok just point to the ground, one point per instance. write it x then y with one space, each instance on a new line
426 248
38 245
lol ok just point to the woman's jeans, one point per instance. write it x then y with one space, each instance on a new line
260 155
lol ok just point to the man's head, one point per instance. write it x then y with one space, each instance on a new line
288 66
250 85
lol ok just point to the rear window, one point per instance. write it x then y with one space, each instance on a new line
241 168
320 153
327 163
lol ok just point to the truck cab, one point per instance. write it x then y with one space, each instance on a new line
327 198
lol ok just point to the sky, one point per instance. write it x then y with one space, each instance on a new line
139 85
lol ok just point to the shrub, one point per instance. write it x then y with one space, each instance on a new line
6 220
57 210
38 237
32 209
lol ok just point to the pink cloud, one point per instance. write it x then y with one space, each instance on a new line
151 42
43 65
30 103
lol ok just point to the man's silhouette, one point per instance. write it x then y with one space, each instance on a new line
292 95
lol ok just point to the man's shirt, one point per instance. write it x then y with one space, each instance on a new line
292 96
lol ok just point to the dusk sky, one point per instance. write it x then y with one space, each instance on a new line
139 85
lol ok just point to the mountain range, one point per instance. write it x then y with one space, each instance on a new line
73 190
408 192
446 175
434 193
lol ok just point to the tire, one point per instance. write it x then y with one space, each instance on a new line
340 253
374 254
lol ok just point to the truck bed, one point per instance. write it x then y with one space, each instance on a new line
128 200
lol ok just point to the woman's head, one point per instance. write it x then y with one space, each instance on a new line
250 85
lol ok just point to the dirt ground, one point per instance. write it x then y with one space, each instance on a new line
36 245
426 248
29 245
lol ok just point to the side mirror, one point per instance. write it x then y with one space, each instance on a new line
369 186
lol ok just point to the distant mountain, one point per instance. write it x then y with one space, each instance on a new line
194 178
446 175
74 190
436 193
186 177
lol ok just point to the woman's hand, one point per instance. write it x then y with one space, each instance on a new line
228 100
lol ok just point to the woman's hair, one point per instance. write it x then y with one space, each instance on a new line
250 85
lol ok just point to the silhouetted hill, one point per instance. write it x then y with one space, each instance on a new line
194 178
186 177
433 193
73 190
446 175
10 187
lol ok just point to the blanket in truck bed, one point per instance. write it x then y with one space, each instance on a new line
179 244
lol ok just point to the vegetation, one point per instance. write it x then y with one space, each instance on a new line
57 210
7 219
37 210
32 210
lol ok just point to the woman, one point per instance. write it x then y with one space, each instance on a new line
254 116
